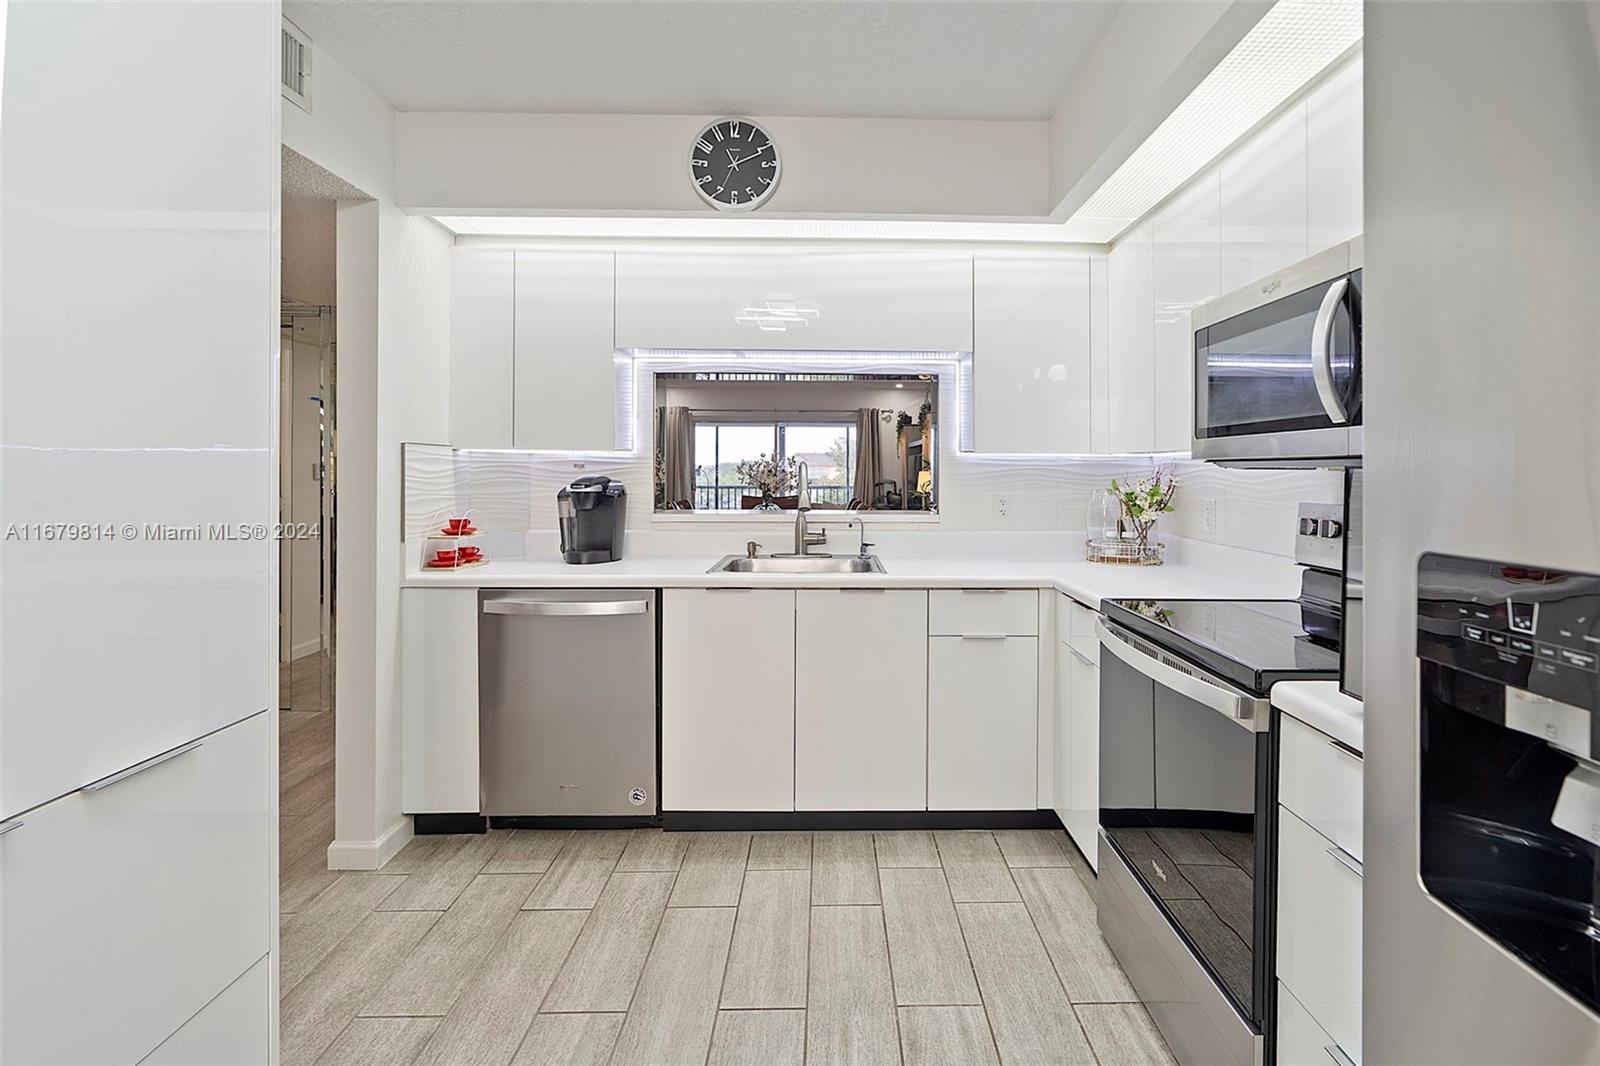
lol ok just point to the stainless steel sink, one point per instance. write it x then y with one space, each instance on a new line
798 564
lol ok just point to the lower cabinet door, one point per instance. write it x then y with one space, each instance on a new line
861 735
1301 1041
1319 929
1083 793
232 1030
127 908
983 715
727 700
1061 735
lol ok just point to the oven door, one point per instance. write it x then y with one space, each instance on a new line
1186 800
1278 368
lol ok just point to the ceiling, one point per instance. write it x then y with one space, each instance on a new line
854 58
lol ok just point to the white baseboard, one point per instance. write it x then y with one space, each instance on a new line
370 854
305 647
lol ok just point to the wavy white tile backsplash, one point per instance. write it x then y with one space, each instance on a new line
516 491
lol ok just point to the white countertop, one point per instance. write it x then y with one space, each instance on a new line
1084 581
1321 705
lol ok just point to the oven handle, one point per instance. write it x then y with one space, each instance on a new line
1322 353
1242 708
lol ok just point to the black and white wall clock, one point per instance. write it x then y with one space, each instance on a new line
734 164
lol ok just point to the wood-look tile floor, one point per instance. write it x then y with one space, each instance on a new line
713 949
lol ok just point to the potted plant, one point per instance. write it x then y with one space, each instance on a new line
771 476
1143 501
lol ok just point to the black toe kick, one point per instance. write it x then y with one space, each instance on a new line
778 820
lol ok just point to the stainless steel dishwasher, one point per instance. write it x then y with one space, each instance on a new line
567 702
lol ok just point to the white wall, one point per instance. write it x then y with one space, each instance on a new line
393 373
619 164
1482 328
1152 56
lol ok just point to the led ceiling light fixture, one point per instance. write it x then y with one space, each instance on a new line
777 316
1292 44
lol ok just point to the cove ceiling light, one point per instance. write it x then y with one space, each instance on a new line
696 228
1292 44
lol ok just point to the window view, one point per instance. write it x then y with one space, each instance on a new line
730 442
829 451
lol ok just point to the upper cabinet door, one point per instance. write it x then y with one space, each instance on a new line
1130 401
784 298
1187 271
1333 158
480 346
564 330
1030 362
1264 201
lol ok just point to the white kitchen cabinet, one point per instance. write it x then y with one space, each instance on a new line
481 309
1031 390
1131 379
983 612
1264 201
563 392
1186 246
128 907
1301 1041
983 723
1061 731
1319 929
439 700
1083 745
861 700
727 699
810 299
1333 158
1320 780
232 1030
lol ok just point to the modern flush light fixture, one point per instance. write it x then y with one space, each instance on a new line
1292 44
777 316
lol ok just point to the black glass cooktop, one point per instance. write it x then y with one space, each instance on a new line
1252 643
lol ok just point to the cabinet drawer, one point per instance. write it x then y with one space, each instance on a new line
1320 780
983 612
1319 929
1301 1041
129 908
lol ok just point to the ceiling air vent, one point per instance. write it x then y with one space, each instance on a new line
295 73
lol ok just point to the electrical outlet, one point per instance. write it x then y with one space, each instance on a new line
1210 516
1002 506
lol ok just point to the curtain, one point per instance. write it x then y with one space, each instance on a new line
675 445
868 448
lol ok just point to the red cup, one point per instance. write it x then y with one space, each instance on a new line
444 555
458 525
469 552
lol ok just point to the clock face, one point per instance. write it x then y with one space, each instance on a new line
734 165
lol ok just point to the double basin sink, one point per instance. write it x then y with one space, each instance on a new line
797 564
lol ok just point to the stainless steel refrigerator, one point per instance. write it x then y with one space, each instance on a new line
1482 341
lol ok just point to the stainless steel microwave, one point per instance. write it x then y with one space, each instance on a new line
1277 366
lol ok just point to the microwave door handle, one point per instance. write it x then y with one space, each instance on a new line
1322 353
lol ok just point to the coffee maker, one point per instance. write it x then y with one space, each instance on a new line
592 511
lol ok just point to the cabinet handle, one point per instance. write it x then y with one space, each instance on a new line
1345 859
15 823
727 588
1078 655
139 768
1336 1053
1341 746
983 636
985 592
861 591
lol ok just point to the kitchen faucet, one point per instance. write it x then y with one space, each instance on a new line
804 538
859 520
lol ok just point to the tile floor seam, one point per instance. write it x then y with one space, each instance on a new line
894 996
967 951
